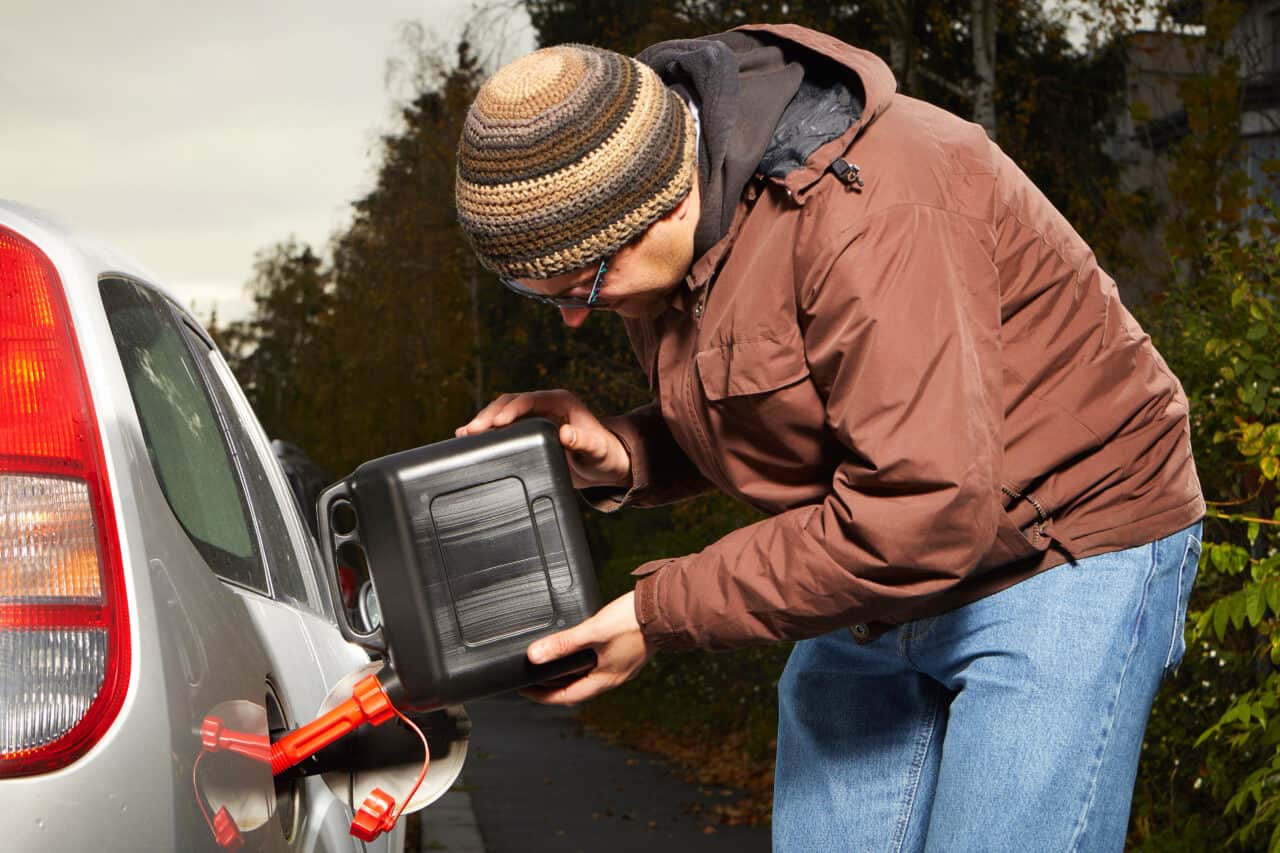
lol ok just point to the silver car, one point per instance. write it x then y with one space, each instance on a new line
162 605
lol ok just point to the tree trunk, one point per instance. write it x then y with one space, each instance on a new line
983 26
898 17
473 291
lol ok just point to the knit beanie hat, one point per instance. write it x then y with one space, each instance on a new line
567 155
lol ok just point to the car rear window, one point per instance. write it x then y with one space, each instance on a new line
183 433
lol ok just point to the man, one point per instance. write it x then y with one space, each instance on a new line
859 316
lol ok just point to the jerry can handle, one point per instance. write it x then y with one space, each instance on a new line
337 499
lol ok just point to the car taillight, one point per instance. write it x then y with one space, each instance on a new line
64 628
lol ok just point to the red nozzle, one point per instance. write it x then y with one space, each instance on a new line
215 736
368 703
375 817
226 831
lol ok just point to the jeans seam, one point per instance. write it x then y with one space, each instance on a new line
1179 611
1082 821
913 784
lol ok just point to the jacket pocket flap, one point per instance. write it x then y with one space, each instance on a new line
752 367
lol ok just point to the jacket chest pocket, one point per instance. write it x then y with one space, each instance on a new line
758 406
760 422
757 366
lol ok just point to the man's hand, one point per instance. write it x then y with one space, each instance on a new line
620 649
596 456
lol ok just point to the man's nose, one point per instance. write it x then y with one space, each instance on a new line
574 317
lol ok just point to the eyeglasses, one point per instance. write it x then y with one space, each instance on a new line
590 301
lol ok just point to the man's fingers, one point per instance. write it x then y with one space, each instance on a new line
587 687
570 437
483 419
588 443
598 458
559 645
508 408
620 649
504 409
515 408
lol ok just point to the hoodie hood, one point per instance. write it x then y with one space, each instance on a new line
801 90
720 73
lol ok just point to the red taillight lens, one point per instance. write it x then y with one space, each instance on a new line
64 629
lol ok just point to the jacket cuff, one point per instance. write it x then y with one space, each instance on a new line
626 431
605 498
657 632
614 498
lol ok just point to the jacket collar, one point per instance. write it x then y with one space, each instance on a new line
709 262
878 85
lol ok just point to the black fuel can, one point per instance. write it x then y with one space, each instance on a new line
474 548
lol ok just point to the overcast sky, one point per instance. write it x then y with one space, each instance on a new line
193 134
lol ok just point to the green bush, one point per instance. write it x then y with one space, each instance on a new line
1211 770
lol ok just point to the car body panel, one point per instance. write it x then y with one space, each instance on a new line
198 643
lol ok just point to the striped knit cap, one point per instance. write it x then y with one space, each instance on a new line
567 155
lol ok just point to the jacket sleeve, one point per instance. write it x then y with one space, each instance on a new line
900 322
661 473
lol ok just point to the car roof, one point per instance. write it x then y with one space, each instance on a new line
63 242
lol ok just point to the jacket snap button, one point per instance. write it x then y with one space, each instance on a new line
860 630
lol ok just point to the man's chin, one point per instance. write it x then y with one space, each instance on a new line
639 307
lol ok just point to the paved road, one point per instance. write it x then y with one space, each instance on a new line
535 783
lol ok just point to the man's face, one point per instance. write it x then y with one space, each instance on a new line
641 275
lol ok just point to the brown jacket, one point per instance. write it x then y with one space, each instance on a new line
926 381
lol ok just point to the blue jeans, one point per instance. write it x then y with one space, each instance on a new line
1010 724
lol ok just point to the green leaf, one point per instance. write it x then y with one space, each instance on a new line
1267 566
1202 623
1256 332
1270 467
1255 603
1251 532
1272 590
1220 617
1228 559
1238 610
